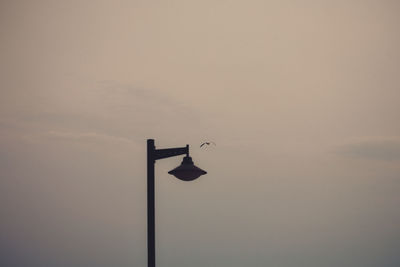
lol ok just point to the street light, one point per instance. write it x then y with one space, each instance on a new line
187 171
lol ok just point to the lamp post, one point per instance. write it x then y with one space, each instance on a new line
187 171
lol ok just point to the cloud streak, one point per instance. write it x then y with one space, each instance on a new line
379 148
89 136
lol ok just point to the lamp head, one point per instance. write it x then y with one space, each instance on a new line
187 171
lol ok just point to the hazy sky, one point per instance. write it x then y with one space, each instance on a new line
301 97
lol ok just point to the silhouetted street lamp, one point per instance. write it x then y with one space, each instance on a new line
187 171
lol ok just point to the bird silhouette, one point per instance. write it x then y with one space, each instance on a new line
208 143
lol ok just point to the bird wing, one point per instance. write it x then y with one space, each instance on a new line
208 143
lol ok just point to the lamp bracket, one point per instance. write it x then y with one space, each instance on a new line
170 152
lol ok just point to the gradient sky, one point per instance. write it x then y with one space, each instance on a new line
301 97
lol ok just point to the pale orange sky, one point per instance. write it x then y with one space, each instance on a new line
301 98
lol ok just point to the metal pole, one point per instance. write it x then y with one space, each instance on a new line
151 249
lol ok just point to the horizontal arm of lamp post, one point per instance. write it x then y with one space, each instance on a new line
170 152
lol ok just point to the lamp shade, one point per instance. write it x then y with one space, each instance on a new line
187 171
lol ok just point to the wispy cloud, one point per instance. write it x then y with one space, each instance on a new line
377 148
89 136
128 97
105 110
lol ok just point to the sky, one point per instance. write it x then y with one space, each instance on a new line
301 98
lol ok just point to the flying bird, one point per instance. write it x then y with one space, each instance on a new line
208 143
